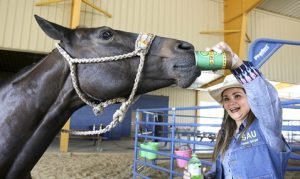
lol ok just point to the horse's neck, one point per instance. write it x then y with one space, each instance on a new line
39 99
50 82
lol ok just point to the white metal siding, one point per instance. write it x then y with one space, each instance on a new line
170 18
19 30
179 98
179 19
283 65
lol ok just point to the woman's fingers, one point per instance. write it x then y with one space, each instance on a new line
221 46
208 49
186 174
235 60
204 169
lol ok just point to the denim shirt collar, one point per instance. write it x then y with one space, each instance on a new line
241 128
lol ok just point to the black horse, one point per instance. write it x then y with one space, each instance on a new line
37 101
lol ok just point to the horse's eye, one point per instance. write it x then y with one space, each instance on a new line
106 35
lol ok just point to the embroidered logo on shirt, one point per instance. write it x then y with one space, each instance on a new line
249 137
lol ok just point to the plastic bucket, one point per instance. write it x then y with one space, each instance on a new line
153 146
142 152
181 163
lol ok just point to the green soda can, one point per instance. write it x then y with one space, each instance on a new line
211 60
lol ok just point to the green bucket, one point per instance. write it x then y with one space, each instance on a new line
142 152
153 146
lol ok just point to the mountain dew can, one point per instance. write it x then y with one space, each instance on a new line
211 60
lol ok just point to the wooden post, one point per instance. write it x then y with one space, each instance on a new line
64 138
235 17
97 8
74 22
75 13
47 2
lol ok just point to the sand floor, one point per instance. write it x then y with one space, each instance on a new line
112 160
79 166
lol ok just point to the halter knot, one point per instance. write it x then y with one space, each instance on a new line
143 42
98 109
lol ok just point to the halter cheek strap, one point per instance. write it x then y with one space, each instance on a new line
142 46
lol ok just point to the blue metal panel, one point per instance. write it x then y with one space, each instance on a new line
262 49
145 102
167 147
84 118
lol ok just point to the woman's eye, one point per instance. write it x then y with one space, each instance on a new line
225 99
106 35
237 96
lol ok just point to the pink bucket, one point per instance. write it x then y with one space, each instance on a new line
181 163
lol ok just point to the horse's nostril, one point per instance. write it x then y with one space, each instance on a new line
185 46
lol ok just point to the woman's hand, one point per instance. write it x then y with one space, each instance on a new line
223 47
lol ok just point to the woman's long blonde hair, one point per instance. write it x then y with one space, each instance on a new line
227 131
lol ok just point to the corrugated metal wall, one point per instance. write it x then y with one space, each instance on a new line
178 98
19 30
179 19
170 18
283 66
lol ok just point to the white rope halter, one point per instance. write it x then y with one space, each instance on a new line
142 46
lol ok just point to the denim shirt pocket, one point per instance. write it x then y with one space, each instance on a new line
255 164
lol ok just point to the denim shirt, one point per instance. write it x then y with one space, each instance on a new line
262 151
226 161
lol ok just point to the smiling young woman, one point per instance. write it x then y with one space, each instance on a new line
250 137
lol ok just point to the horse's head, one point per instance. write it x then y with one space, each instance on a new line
168 61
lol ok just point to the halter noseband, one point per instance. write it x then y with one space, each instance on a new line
142 46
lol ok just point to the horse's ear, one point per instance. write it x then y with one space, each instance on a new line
53 30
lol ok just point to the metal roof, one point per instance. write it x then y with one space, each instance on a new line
290 8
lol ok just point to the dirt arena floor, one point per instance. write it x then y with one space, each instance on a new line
110 160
